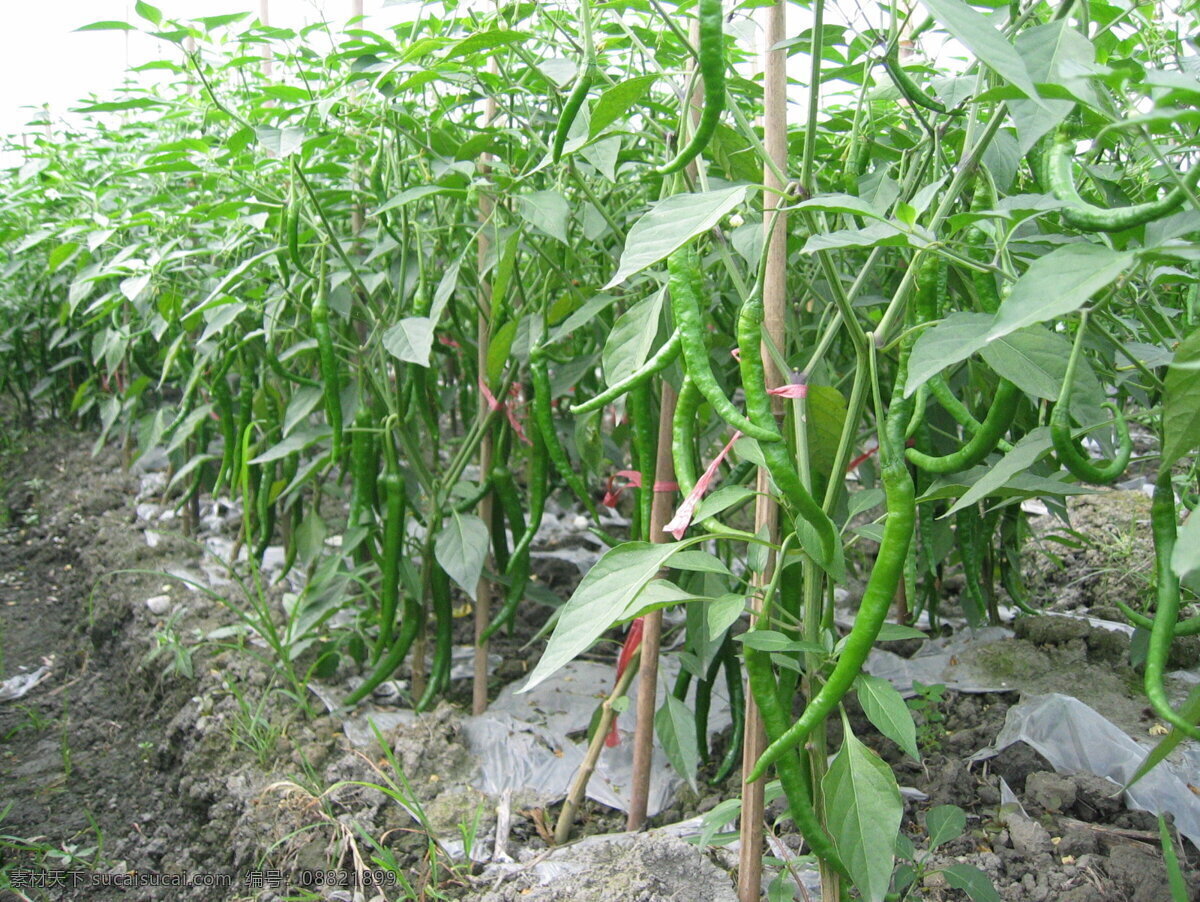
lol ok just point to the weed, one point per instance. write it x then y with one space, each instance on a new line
169 643
251 728
927 703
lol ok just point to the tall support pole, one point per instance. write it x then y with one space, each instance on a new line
647 698
483 589
766 513
264 16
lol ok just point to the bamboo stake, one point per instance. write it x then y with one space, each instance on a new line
766 513
566 817
483 589
265 18
647 698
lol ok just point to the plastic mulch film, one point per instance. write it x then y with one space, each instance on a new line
1074 737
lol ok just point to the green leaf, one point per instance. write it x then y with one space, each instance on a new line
723 612
546 211
282 142
632 337
409 195
617 100
1181 402
605 592
297 441
676 728
151 14
657 594
951 341
1185 559
670 224
773 641
978 35
944 823
310 537
724 497
885 708
972 881
410 340
700 562
1035 360
484 41
826 413
499 349
1057 284
890 632
107 26
863 815
1030 449
461 547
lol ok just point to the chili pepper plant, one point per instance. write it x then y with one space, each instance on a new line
415 281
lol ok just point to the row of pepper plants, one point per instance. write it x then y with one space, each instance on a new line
411 283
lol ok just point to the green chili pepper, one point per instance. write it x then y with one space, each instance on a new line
364 469
393 546
1166 613
684 268
775 454
877 599
1069 455
518 569
737 710
644 430
1189 627
659 361
1091 218
982 443
791 772
910 89
228 422
967 536
327 359
544 421
443 613
293 239
957 409
583 84
711 56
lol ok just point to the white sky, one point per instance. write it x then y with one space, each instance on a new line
44 60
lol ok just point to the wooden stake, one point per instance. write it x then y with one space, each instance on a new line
647 699
483 589
766 512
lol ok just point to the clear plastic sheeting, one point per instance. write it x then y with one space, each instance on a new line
949 661
18 686
1074 737
535 742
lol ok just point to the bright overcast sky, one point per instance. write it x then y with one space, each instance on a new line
43 59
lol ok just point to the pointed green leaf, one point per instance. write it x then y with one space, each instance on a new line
410 340
972 881
1181 402
864 810
885 708
546 211
951 341
632 337
944 823
461 548
151 14
617 100
676 729
605 592
1030 449
980 36
107 26
670 224
1057 284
